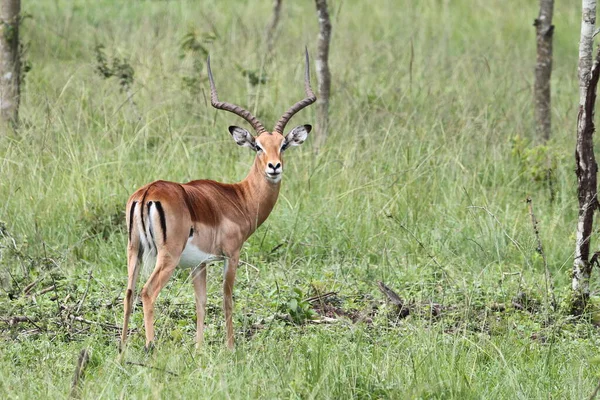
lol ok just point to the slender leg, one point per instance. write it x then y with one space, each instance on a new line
228 281
133 267
165 265
199 281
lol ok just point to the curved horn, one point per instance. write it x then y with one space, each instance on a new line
310 98
232 108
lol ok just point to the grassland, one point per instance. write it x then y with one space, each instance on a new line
421 184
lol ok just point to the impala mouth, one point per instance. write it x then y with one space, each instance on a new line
273 176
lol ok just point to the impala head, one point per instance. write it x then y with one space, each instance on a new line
269 146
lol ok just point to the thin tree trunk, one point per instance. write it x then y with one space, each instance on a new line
586 168
272 28
10 63
323 74
543 69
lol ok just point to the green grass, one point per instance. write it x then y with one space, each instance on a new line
421 184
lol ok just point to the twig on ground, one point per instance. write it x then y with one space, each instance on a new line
151 367
28 288
14 320
87 288
323 320
46 290
87 321
540 250
321 297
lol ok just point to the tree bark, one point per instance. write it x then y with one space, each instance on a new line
586 167
272 28
323 74
543 69
10 62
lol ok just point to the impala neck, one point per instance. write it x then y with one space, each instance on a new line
260 193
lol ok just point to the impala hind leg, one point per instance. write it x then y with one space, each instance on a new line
199 281
133 269
228 281
165 265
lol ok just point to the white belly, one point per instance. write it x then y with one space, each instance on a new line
192 256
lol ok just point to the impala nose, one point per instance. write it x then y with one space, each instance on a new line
275 168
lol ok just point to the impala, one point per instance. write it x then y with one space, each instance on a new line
202 221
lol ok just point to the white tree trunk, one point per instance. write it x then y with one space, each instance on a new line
586 43
586 167
10 63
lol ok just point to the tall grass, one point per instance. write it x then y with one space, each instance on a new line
422 184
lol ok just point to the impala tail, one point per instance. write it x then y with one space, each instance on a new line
146 221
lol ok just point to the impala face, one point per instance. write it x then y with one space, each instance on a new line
269 147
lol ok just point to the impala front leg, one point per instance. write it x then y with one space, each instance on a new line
228 280
199 281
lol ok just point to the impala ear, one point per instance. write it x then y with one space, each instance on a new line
296 137
242 137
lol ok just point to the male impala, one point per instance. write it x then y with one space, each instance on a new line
202 221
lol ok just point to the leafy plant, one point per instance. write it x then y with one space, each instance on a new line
118 68
255 77
296 307
534 161
194 46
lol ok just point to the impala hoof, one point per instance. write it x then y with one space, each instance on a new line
149 348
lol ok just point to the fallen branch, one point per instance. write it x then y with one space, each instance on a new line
14 320
46 290
393 298
320 297
28 288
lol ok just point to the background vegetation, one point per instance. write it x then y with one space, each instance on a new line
421 185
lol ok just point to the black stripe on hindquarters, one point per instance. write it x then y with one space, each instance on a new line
163 221
150 222
131 212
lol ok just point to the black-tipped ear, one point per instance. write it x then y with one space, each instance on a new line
297 136
242 137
